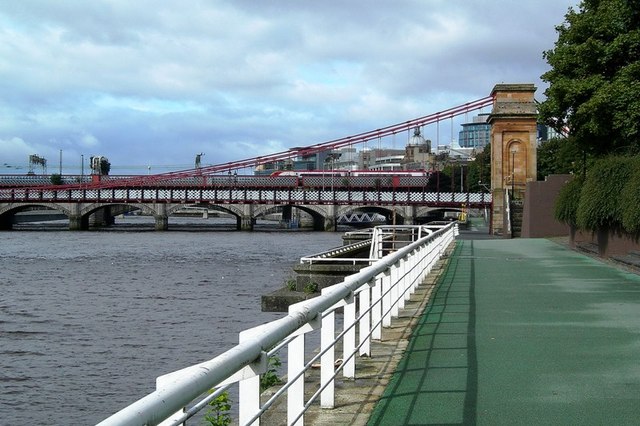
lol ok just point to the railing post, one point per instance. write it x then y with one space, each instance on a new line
349 340
327 360
249 400
403 280
364 327
386 299
411 270
376 307
395 289
295 394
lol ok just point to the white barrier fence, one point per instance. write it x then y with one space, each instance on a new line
369 299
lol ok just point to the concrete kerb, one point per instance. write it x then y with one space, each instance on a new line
356 399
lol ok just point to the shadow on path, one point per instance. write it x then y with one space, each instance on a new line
436 382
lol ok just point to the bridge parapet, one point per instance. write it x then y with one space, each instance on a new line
244 196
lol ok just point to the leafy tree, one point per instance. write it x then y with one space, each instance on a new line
560 156
56 179
594 81
450 178
105 166
479 171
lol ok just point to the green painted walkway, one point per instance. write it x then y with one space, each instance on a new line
522 332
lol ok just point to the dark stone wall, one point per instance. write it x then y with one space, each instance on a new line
607 243
540 198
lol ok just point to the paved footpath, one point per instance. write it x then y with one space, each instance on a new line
521 332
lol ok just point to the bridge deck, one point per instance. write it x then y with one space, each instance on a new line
521 332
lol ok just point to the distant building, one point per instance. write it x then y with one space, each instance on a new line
417 155
476 134
546 133
373 159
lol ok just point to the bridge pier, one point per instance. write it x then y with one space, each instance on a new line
331 218
409 215
245 223
330 224
78 223
102 217
162 222
246 220
161 217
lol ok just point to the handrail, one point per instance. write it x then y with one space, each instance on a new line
330 254
381 290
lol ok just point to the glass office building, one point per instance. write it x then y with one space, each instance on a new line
476 134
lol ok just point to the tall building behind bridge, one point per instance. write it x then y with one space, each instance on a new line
476 134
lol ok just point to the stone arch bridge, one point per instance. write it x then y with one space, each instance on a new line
84 207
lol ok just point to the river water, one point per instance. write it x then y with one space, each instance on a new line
88 320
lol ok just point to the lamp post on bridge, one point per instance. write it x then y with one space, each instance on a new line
330 161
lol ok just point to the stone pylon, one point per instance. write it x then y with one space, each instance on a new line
514 134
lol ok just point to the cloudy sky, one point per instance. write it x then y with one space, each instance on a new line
150 84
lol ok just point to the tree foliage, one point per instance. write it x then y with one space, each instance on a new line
560 156
566 208
105 167
594 81
600 205
56 179
479 171
629 200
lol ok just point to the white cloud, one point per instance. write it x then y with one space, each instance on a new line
160 81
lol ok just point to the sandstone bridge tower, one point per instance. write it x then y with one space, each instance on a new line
513 122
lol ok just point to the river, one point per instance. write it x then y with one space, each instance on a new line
88 320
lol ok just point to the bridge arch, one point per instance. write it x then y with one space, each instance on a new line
266 209
322 220
8 211
228 208
19 207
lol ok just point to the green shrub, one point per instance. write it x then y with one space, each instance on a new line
311 287
291 284
56 179
629 198
566 207
218 412
270 377
600 205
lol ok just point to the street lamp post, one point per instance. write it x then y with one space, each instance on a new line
332 174
513 168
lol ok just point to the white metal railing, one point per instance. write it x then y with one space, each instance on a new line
380 290
330 255
388 239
